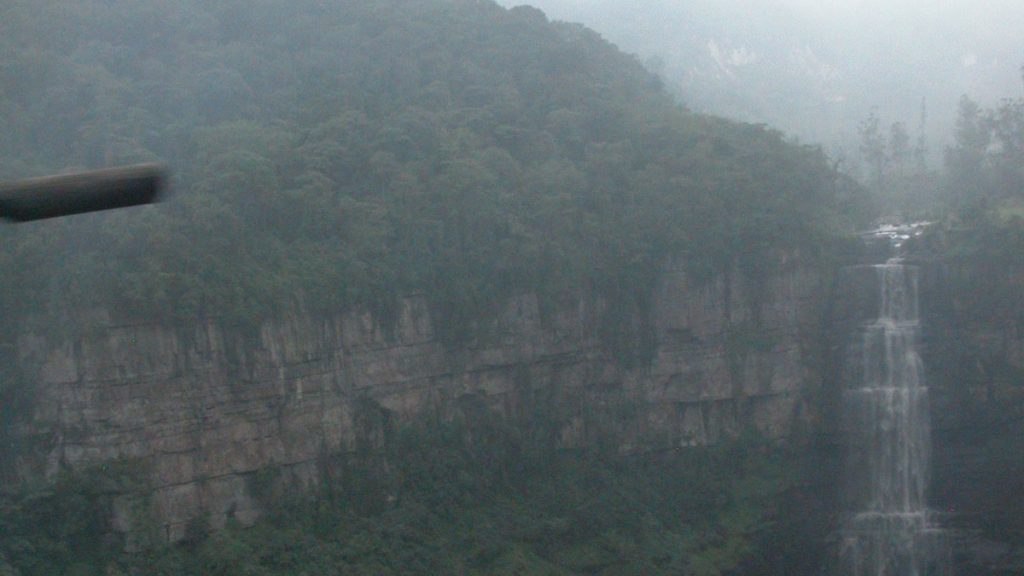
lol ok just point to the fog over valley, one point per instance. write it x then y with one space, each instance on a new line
816 69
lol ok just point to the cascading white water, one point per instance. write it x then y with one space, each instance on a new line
890 531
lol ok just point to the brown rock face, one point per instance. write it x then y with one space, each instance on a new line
202 410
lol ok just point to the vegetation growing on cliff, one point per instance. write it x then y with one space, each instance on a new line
329 155
450 500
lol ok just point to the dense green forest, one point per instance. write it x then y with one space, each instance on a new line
329 155
332 155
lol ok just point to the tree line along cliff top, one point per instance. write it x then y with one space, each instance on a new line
340 154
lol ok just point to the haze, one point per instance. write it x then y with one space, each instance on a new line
440 287
817 69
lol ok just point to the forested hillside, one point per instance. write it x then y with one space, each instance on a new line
818 69
338 154
330 156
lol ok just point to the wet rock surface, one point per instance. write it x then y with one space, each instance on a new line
201 410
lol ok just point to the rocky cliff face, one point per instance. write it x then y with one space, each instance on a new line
974 356
202 410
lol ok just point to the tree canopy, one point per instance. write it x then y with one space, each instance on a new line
338 154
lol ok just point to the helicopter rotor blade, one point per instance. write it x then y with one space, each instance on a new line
55 196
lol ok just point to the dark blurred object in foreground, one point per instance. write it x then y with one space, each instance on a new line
54 196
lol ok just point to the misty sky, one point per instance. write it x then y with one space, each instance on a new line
817 68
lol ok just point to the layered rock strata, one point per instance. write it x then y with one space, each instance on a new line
203 410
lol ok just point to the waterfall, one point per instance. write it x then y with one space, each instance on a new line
889 530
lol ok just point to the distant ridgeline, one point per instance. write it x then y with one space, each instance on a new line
338 154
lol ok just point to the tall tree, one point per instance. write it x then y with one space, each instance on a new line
921 147
872 149
965 160
899 149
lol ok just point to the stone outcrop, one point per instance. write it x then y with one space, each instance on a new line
202 410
